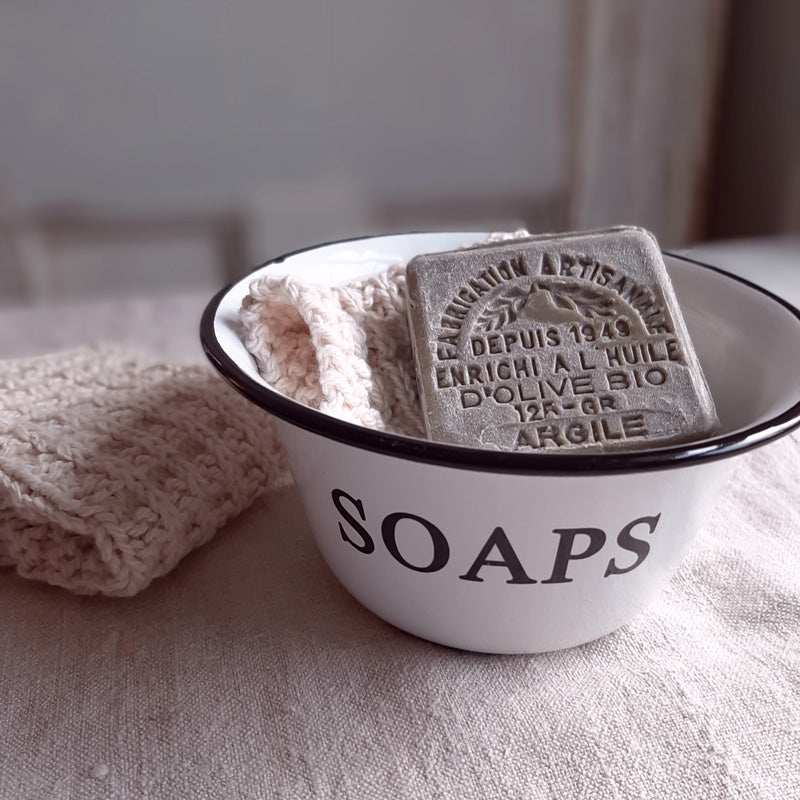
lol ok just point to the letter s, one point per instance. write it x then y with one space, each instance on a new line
629 542
365 545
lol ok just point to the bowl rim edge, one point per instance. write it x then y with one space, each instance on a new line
496 461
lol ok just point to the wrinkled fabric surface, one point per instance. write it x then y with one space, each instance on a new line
250 672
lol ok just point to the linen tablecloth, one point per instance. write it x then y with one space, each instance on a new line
249 672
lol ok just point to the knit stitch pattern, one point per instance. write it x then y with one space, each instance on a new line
112 468
344 350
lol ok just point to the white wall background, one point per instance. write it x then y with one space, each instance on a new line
328 118
165 103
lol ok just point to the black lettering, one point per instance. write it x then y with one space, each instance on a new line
627 541
365 543
441 550
509 560
564 555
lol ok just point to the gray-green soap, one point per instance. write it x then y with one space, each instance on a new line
557 343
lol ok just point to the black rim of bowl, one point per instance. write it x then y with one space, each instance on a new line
471 458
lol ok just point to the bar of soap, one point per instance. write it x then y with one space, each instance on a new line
557 343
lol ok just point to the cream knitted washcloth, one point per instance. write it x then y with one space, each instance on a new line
344 350
113 468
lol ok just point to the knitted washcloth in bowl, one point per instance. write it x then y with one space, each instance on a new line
344 350
112 468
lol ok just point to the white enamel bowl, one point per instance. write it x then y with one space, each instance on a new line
510 552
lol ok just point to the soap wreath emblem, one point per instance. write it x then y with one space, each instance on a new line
546 300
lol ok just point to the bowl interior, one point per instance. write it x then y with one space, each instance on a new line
748 342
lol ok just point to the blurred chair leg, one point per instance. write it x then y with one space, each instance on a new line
29 252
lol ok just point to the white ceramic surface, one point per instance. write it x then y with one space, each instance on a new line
508 553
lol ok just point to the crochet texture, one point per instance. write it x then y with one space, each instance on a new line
343 350
113 468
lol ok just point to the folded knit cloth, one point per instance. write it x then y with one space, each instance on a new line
112 467
344 350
